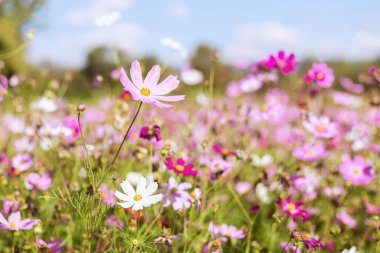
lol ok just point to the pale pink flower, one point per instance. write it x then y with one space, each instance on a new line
346 219
148 91
15 222
321 127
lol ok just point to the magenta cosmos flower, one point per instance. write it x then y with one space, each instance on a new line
150 132
292 208
148 91
180 167
310 152
37 182
320 74
321 127
223 151
311 242
286 64
51 246
15 223
357 170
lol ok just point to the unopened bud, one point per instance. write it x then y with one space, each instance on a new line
81 108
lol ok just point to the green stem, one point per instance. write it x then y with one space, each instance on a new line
83 142
125 136
240 204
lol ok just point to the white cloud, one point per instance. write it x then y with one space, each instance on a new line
367 40
256 40
97 9
179 9
72 51
253 41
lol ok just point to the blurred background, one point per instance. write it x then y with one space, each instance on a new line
80 43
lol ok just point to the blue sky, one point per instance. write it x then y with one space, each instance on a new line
247 29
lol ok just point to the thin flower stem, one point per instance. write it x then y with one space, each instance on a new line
125 136
239 203
83 142
248 247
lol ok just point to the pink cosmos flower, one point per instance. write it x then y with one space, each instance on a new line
286 64
180 167
176 194
51 246
320 74
37 182
372 209
3 86
223 151
148 91
15 223
21 163
71 130
292 208
112 221
310 152
350 86
251 83
310 241
357 170
346 219
321 127
108 195
289 247
231 231
10 204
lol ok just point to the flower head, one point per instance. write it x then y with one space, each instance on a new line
21 163
176 194
357 170
148 91
180 167
321 127
15 222
150 132
37 182
310 152
292 209
51 246
285 63
320 74
140 198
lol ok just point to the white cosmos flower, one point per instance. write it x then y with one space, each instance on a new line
140 198
351 250
262 161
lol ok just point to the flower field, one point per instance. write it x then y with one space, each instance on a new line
253 167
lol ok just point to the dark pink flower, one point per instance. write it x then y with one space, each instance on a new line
292 208
150 132
286 64
180 167
223 151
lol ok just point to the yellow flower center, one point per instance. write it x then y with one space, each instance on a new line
264 108
320 128
180 167
225 151
173 191
291 207
12 224
104 195
38 184
306 235
356 171
137 197
145 92
298 238
310 153
9 197
193 194
17 172
320 76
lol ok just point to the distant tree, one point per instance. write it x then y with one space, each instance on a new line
204 58
14 15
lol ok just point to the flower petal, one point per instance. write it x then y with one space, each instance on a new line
126 204
169 84
152 77
127 188
141 186
152 187
147 201
123 196
170 98
136 74
128 85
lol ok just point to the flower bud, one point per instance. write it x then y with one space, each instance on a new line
81 108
